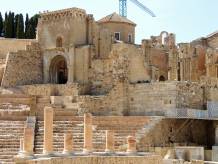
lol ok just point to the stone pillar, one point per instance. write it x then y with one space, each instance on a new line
28 141
216 135
21 146
87 133
68 144
71 65
109 141
131 141
48 131
215 147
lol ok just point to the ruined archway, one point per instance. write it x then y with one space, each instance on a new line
163 36
58 70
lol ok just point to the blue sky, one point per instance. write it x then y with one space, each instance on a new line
188 19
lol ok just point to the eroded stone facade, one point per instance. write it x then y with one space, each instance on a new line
78 65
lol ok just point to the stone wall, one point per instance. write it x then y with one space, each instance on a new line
190 95
114 103
156 98
147 159
61 24
192 64
124 28
172 132
212 40
82 64
145 98
51 90
151 98
124 63
23 67
13 45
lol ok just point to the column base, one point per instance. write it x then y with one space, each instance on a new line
107 151
48 154
87 152
131 152
22 158
68 153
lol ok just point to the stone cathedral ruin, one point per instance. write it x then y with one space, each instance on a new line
84 92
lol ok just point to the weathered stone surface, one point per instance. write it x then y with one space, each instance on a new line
28 141
88 147
148 159
131 141
68 143
109 141
48 131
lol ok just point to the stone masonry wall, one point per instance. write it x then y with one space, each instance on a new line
113 103
151 98
190 95
148 159
171 131
145 98
23 67
13 45
51 90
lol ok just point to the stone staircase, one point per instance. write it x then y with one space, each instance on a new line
123 126
10 134
59 128
147 128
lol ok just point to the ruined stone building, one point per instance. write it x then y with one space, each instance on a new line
165 94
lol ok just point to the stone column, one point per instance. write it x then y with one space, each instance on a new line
48 131
87 133
131 141
21 146
109 141
215 147
216 135
71 65
28 141
68 144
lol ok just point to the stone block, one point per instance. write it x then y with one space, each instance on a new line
215 153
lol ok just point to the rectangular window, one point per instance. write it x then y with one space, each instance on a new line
130 38
117 35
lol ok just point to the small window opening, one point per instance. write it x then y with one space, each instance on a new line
130 38
59 42
117 35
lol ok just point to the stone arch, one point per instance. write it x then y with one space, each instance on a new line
163 35
58 70
162 78
59 41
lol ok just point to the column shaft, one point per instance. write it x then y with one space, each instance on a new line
48 131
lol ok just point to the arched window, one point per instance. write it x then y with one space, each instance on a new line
59 42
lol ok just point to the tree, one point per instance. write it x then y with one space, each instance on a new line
15 24
31 31
9 25
20 27
26 24
1 24
6 35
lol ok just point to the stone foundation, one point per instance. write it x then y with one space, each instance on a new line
148 159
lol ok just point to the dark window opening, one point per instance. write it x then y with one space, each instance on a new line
117 35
